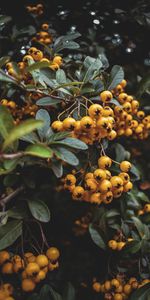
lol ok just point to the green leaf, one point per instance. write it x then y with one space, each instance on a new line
4 19
92 66
58 136
121 153
72 143
136 172
48 101
116 102
61 76
39 150
4 60
37 65
39 210
57 168
132 247
6 122
44 116
46 291
6 78
66 156
9 233
141 293
69 292
97 239
20 130
116 76
139 226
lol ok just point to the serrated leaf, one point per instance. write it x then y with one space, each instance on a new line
20 130
97 239
48 101
44 116
9 233
66 156
39 150
39 210
116 76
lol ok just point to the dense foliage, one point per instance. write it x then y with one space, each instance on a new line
74 183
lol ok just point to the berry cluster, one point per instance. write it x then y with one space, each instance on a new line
100 186
33 55
33 269
118 245
35 9
43 36
118 288
145 210
6 291
108 120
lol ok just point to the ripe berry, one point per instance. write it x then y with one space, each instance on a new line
104 162
125 166
105 186
107 197
96 287
28 285
57 126
53 253
125 177
116 182
128 187
70 179
95 198
127 289
4 256
147 208
78 192
113 245
118 296
95 110
86 123
99 174
29 257
106 96
115 282
69 124
120 245
57 60
91 185
42 260
32 269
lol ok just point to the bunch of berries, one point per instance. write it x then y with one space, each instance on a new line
33 269
43 36
145 210
118 245
107 120
33 55
100 186
6 291
36 10
118 288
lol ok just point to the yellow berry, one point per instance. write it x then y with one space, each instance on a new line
95 110
113 245
125 166
32 269
86 123
28 285
7 268
69 124
105 186
42 260
106 96
53 253
104 162
99 174
96 287
4 256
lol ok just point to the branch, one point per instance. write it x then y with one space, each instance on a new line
5 200
11 156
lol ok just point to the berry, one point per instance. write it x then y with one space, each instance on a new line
115 283
113 245
128 187
106 96
29 257
107 197
70 179
96 287
99 174
120 245
57 126
4 256
57 60
53 253
127 289
118 296
28 285
32 269
95 110
104 162
69 124
78 192
116 182
125 177
86 123
42 260
7 268
105 186
91 185
125 166
147 208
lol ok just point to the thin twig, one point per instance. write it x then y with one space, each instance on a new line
5 200
11 156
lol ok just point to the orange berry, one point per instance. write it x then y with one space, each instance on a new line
28 285
53 253
106 96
